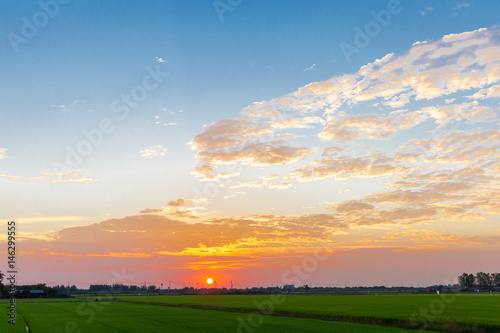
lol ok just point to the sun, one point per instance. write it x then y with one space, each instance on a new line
210 280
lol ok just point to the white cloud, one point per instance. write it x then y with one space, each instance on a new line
310 67
263 184
154 151
462 5
427 9
160 60
234 195
70 107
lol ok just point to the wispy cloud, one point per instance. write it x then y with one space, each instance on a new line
153 151
68 107
427 9
462 5
180 209
160 60
310 67
74 176
3 153
234 195
263 184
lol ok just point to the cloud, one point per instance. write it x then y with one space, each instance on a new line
228 132
207 173
427 9
310 67
346 167
270 177
460 6
68 107
74 180
457 62
296 122
491 92
160 60
14 178
234 195
153 151
179 203
73 176
161 236
352 205
256 154
3 152
367 126
350 113
473 112
263 184
179 208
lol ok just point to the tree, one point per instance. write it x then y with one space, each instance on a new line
466 281
462 280
495 279
1 284
51 291
483 280
472 280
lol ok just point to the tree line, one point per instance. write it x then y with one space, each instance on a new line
121 288
480 280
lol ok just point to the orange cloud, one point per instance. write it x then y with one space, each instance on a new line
256 154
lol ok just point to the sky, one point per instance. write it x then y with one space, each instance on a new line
255 142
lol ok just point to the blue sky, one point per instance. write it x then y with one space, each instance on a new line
65 78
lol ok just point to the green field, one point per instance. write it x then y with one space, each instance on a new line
235 313
441 312
129 317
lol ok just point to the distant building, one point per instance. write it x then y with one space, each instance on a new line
288 287
272 289
37 293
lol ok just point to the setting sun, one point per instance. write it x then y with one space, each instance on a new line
210 281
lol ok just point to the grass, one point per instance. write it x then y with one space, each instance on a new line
463 313
132 317
295 313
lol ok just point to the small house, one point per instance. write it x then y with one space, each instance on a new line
37 293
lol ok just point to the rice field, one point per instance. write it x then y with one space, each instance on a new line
259 313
